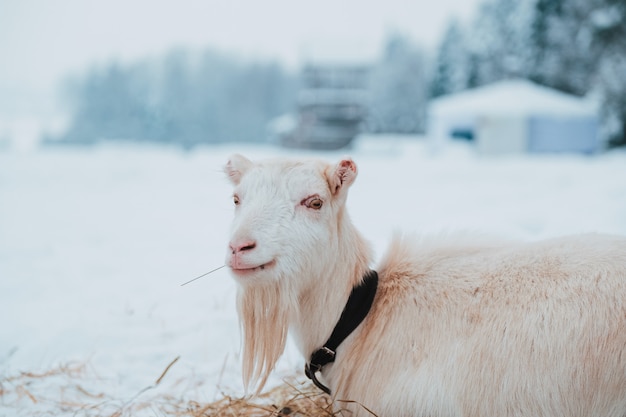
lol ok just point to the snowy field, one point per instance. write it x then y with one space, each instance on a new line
95 242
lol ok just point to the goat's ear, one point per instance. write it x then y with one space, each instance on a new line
237 166
341 176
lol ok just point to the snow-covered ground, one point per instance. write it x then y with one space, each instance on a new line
95 242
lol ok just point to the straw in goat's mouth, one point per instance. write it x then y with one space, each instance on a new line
203 275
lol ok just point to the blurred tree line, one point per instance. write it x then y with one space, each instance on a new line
188 98
575 46
183 98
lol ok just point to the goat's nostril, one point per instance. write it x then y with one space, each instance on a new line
242 247
249 246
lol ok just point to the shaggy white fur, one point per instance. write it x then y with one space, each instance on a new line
460 326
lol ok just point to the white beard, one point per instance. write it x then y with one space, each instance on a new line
264 315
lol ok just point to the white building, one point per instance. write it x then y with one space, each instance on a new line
516 116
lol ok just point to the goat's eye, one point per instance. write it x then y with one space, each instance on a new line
314 203
236 200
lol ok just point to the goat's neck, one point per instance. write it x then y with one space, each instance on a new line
321 304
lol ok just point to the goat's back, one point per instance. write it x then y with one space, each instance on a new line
493 329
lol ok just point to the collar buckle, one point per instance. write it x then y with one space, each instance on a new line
310 370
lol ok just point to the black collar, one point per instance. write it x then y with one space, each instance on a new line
354 312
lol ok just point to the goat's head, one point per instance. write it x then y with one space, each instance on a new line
287 228
287 216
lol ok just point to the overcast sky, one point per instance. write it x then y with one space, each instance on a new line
40 40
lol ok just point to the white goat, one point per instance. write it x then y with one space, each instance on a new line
458 327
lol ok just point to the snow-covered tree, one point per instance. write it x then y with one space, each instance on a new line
498 40
398 89
453 68
561 40
608 22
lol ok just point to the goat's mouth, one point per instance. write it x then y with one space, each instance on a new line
241 270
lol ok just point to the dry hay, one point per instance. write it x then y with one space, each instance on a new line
61 391
282 401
